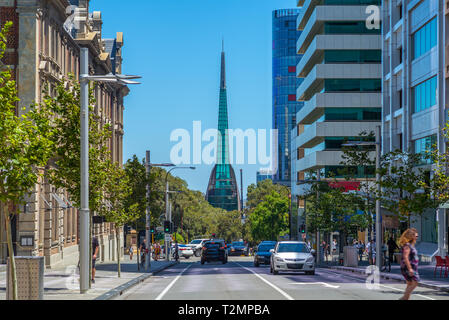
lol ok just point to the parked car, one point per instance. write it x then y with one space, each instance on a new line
292 256
263 254
197 245
214 250
238 248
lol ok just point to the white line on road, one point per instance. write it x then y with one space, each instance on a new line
320 283
419 295
267 282
162 294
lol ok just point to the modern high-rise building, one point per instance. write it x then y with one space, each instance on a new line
222 191
341 89
415 74
285 82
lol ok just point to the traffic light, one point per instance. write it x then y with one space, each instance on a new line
152 229
167 226
302 229
175 228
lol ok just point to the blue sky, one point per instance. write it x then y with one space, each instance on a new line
175 46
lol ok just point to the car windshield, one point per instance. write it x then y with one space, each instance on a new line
195 241
293 247
237 244
212 245
265 248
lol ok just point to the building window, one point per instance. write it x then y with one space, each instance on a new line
348 27
352 114
352 85
400 98
424 145
425 38
425 94
352 56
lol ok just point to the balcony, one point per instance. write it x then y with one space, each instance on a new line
314 108
314 53
313 82
320 14
316 133
318 160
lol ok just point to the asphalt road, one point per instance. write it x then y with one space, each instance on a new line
240 280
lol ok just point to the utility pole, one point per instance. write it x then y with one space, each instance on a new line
241 188
166 218
148 214
84 172
379 234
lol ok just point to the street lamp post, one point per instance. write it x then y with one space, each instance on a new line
379 234
167 256
84 159
148 166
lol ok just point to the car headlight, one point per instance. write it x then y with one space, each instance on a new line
310 260
279 259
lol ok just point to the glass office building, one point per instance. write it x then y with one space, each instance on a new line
285 82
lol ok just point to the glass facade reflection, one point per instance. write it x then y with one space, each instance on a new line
285 82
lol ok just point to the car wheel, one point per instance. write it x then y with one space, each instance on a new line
275 272
271 269
312 273
187 257
256 264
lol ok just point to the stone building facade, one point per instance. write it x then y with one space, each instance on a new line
44 47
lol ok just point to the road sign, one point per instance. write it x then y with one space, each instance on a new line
159 228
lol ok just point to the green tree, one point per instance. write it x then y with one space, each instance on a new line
24 149
258 192
270 217
407 187
117 190
65 169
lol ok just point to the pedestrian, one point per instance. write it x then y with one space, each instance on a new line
409 261
309 245
158 251
131 251
324 248
392 246
361 248
95 248
371 251
334 247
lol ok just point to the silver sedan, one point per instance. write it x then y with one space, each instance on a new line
292 256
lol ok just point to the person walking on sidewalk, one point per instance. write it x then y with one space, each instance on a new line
409 261
371 250
95 246
131 251
392 246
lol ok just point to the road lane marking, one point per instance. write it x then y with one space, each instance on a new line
267 282
320 283
419 295
162 294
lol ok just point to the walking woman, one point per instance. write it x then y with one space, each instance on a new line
409 261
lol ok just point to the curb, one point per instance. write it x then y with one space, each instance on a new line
392 277
118 291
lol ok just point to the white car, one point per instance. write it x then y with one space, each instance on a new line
184 251
197 246
292 256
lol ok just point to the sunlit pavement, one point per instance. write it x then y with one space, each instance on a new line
240 280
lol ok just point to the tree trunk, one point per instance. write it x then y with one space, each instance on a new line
117 236
12 261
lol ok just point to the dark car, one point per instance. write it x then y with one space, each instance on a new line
214 250
263 254
238 248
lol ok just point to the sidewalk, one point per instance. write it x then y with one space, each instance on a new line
60 284
426 273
